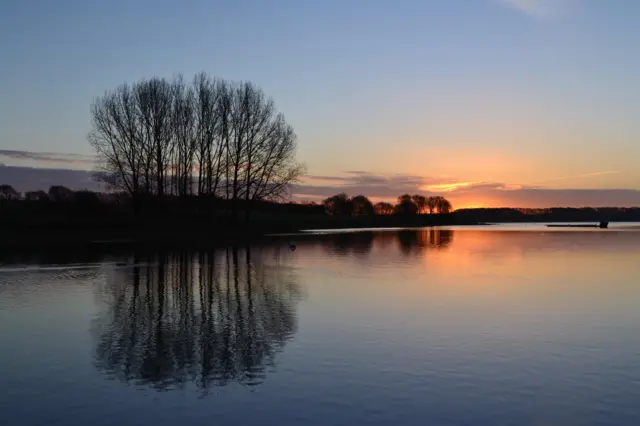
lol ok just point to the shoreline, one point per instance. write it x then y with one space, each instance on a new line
72 235
67 233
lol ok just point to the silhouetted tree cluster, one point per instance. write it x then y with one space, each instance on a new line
419 204
406 205
63 210
55 194
8 193
210 138
383 208
342 205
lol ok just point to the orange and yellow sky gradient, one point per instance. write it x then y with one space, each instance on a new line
491 103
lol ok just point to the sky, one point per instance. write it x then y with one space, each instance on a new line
527 103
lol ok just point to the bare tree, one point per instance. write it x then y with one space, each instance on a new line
443 205
8 193
273 168
431 204
383 208
38 195
60 193
361 206
154 137
405 205
421 202
116 136
211 131
133 133
154 101
262 148
405 198
338 205
185 139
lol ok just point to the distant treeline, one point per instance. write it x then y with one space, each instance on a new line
62 203
558 214
343 205
153 206
61 215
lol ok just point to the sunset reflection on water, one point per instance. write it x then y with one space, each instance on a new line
448 326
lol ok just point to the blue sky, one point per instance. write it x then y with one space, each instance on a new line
531 93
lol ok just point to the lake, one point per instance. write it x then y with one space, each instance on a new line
499 325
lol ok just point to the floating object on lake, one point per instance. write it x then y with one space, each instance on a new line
601 225
292 247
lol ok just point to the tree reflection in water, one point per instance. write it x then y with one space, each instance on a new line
201 318
349 243
415 241
360 244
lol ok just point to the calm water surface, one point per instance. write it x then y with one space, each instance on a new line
446 327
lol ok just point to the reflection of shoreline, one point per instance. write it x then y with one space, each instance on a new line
208 319
419 240
410 241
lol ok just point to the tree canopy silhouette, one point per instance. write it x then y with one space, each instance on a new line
420 201
361 206
343 205
406 206
443 205
431 204
8 193
338 205
208 138
383 208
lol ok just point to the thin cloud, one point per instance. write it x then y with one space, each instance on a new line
448 187
466 194
389 186
610 172
48 157
353 181
583 175
328 178
476 195
537 8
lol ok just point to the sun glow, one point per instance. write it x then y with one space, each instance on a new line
447 187
470 206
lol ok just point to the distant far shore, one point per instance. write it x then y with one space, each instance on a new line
47 224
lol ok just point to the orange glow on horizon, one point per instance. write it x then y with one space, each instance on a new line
470 206
447 187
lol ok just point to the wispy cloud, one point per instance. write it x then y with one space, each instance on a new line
376 187
362 182
538 8
464 193
48 158
448 187
582 175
